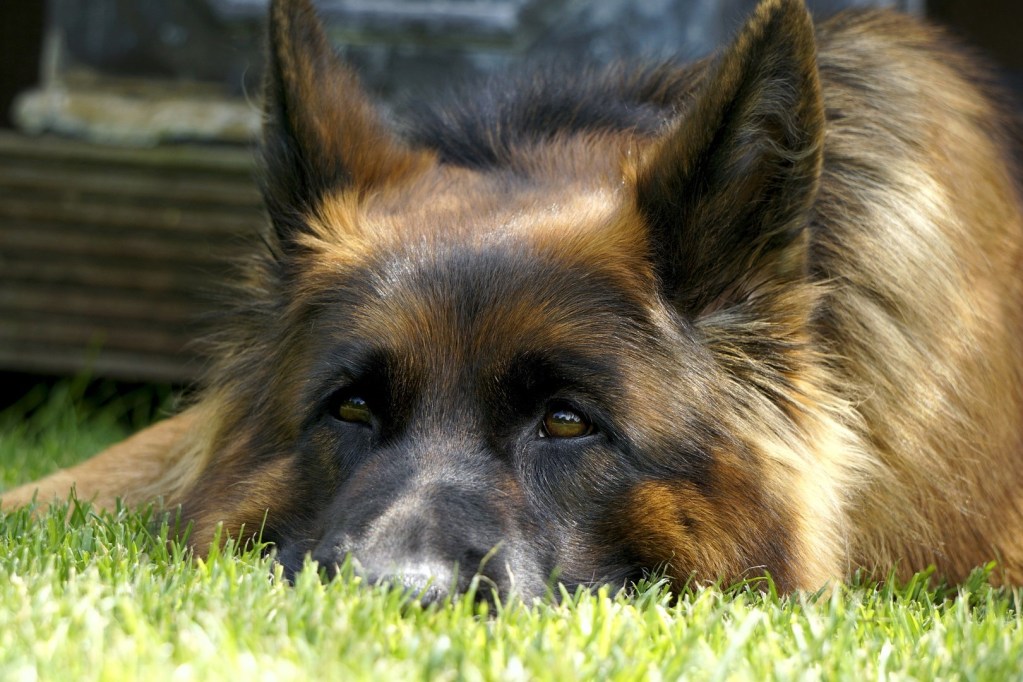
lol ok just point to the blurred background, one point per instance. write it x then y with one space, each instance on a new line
126 129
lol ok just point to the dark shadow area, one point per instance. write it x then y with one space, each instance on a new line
993 26
21 39
135 404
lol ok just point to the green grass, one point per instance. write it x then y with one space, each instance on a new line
57 424
106 596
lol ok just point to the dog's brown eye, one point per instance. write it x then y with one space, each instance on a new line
354 409
564 422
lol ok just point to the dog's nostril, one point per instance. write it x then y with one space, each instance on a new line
330 569
328 563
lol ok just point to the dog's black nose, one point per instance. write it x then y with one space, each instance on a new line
426 580
428 583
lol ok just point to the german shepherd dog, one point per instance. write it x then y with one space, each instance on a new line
757 314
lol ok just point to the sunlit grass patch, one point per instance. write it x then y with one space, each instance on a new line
114 596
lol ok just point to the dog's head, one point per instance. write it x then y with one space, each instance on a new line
580 356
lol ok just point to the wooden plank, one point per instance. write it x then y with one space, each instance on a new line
68 331
176 221
109 304
128 185
107 256
212 158
130 275
128 366
82 242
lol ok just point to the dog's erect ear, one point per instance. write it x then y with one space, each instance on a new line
726 194
321 132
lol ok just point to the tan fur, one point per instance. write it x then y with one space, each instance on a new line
141 469
940 400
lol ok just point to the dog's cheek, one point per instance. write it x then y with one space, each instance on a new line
725 528
244 500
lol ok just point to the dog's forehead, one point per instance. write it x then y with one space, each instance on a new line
458 215
568 192
462 206
475 261
480 297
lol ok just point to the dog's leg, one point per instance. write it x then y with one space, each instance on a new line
150 465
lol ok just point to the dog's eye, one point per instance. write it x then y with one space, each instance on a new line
355 409
564 422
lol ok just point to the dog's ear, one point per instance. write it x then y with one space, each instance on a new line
726 194
321 132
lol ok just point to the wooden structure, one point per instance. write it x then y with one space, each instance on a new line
109 257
